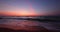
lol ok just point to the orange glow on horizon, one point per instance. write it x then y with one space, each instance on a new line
21 13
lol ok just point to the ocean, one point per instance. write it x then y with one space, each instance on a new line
50 25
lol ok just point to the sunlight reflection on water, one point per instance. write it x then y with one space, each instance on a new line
23 23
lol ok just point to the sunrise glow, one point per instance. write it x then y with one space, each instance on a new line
27 8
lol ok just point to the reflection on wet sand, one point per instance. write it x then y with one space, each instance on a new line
24 25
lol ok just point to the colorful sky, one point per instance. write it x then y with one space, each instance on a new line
29 7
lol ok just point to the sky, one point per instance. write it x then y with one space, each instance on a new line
29 7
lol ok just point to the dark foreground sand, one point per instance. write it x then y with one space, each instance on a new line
9 28
23 26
